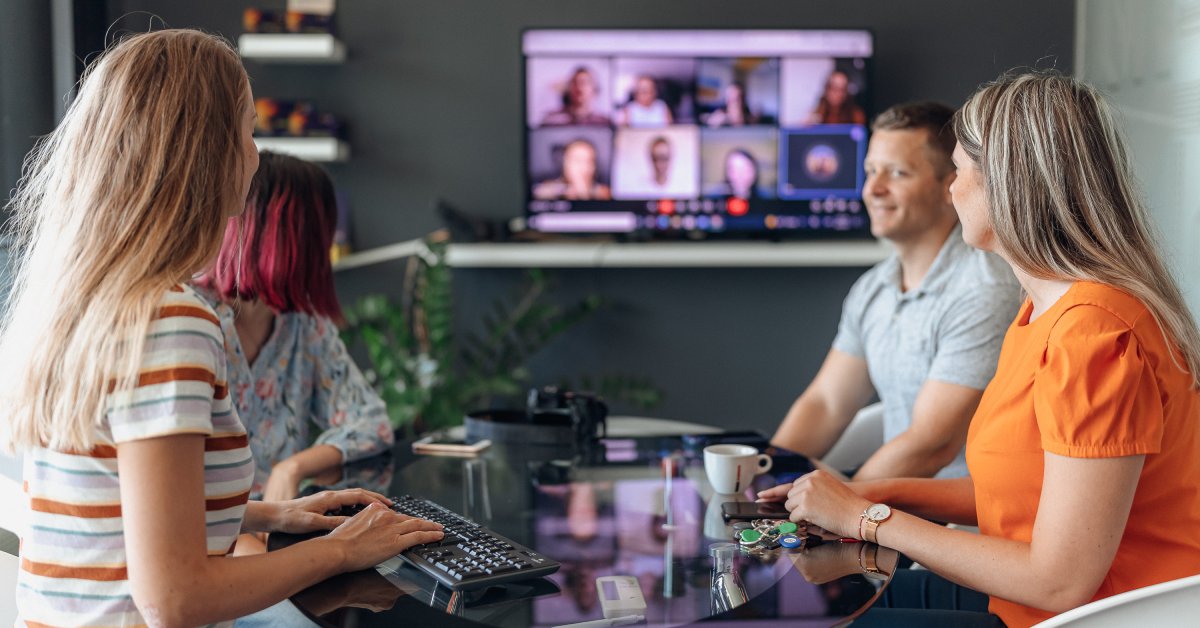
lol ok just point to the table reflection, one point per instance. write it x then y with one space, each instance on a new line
646 512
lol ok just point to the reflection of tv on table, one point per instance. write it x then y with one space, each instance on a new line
700 131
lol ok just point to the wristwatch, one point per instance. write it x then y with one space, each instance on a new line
868 557
868 523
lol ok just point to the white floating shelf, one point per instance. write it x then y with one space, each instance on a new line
292 48
309 148
636 255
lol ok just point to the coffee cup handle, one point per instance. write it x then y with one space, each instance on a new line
764 463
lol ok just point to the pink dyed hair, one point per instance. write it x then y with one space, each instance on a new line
278 249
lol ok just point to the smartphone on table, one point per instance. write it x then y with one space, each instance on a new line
753 510
441 444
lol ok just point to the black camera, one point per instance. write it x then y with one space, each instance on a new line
587 414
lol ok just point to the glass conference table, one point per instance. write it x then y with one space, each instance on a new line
638 507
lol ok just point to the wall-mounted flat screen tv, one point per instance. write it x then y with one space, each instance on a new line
733 132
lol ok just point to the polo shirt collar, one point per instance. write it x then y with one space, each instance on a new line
940 272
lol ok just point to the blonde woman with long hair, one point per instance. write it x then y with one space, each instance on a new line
1084 452
114 382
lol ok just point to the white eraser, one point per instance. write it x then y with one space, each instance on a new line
620 596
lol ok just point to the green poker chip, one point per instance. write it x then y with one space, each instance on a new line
787 527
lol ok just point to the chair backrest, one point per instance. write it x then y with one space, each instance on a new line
8 589
862 437
13 513
1165 604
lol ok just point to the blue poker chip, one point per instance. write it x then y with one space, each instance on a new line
791 541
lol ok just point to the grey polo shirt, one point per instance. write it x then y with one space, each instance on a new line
949 328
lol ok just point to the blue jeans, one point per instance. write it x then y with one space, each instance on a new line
282 614
917 597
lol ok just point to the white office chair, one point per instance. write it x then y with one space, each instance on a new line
1165 604
12 521
862 437
12 504
8 589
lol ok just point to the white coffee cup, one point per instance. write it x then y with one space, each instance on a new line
731 468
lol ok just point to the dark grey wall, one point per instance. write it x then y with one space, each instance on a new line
431 93
26 97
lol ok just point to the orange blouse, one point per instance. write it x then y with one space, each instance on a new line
1092 377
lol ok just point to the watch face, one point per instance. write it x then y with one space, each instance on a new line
879 512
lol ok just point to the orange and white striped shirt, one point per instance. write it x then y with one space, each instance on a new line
73 563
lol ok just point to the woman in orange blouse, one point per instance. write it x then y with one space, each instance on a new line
1085 449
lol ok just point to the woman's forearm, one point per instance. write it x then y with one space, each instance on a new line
284 481
946 501
312 461
176 577
231 587
991 565
1069 552
260 516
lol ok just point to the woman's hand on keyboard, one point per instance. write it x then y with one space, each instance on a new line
377 534
323 511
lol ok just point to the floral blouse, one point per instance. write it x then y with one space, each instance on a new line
302 390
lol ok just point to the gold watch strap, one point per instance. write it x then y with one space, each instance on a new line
869 529
868 558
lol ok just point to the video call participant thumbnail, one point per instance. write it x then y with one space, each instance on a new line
837 104
818 91
653 92
570 163
821 161
738 163
568 93
645 108
656 163
738 91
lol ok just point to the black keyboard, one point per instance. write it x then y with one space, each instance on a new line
470 556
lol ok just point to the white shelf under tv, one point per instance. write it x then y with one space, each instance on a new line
327 149
292 48
636 255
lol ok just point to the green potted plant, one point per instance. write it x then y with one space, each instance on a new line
430 378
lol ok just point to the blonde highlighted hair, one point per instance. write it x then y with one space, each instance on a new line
127 197
1063 200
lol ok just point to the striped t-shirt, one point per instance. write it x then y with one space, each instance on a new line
73 567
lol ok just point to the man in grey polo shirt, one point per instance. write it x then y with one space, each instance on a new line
923 328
